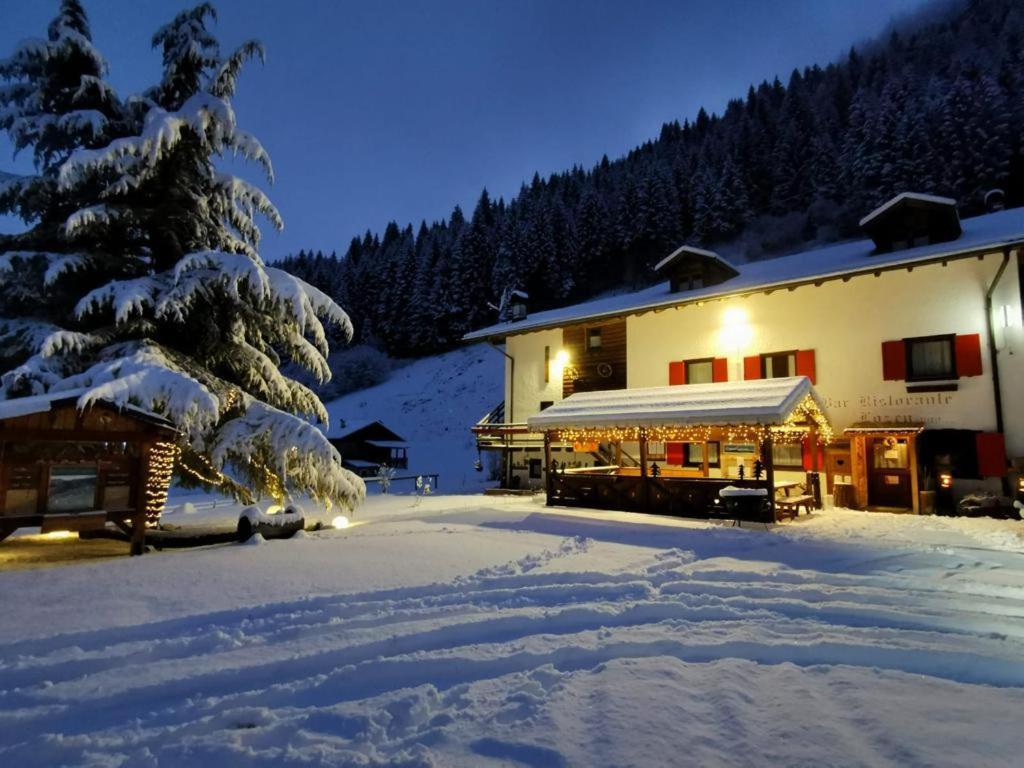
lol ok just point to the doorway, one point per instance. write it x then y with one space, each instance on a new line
889 482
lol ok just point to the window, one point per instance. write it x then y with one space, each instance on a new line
693 455
545 404
593 338
777 365
930 358
72 489
700 371
535 469
787 456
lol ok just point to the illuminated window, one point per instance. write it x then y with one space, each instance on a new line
787 456
593 338
693 454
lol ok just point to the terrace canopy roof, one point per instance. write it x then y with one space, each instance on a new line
764 402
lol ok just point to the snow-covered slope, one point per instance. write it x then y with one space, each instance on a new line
432 403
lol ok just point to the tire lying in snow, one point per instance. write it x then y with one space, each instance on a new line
277 525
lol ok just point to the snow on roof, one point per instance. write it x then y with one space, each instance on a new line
692 251
388 443
348 428
360 464
762 401
991 231
24 406
920 197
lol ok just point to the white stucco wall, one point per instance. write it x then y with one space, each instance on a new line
845 324
530 387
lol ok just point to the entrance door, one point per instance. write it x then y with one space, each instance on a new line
889 473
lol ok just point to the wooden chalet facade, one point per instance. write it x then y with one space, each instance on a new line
365 446
913 341
62 468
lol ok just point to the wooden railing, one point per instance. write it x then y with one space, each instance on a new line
680 496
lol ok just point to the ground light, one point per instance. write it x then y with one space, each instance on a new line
340 522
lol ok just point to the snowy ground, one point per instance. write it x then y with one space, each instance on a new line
433 402
474 631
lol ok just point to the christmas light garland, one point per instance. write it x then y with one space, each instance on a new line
793 430
159 468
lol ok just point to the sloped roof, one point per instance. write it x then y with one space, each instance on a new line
762 401
918 196
992 231
25 406
350 428
690 250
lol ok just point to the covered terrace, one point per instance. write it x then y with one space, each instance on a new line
690 441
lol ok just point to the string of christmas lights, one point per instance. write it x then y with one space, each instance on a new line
159 468
794 429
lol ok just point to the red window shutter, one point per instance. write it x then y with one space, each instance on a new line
894 361
676 373
720 369
674 453
806 450
968 355
752 367
805 364
991 454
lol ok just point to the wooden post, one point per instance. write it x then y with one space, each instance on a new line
915 493
618 453
138 541
812 444
769 473
645 494
549 478
705 463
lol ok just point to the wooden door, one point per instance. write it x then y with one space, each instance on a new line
888 464
837 463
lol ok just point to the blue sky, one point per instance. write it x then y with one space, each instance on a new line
381 110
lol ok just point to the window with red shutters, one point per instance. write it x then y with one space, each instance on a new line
676 373
752 367
805 365
968 354
991 448
720 370
894 360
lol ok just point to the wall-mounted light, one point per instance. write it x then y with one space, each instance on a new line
945 480
558 364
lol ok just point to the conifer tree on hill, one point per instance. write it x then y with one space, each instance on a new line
139 279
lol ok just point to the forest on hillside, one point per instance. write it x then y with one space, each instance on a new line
935 107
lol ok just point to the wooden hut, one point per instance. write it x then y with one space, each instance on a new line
65 469
365 445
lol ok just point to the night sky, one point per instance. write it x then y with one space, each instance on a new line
381 110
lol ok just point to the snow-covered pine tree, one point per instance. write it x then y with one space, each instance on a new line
175 311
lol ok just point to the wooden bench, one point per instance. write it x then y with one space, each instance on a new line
790 505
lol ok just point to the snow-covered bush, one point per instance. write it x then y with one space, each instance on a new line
139 277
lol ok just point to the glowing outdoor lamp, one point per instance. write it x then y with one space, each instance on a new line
736 333
558 364
340 522
945 480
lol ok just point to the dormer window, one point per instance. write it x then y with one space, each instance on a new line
689 268
911 220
